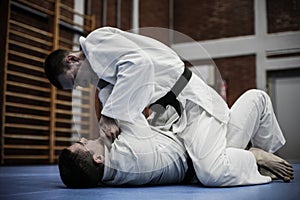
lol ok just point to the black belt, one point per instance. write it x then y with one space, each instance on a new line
170 98
102 84
190 174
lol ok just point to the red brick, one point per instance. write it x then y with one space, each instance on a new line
154 13
203 20
239 74
283 15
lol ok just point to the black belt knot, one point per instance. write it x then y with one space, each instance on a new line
171 97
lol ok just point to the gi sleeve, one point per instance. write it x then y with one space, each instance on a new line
120 61
133 88
104 93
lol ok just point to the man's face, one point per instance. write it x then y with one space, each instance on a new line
79 74
67 79
94 147
85 75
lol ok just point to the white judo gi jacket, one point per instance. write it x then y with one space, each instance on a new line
140 70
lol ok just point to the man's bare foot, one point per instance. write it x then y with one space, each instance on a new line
274 164
265 172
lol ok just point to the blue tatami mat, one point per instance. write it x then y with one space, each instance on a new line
43 182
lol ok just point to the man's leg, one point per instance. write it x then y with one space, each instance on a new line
252 119
214 163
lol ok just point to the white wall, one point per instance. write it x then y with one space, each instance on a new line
285 94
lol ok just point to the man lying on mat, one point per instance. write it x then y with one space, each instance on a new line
89 163
189 117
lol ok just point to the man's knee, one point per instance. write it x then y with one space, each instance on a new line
258 95
255 92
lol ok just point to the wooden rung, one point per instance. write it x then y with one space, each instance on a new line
68 121
24 157
29 37
65 130
70 130
27 86
26 116
28 96
31 57
74 11
87 106
69 103
27 106
85 97
36 6
25 126
67 41
59 148
30 47
64 93
86 123
80 114
15 146
62 102
70 21
81 131
62 47
24 65
65 44
66 139
87 89
31 28
61 111
26 137
28 76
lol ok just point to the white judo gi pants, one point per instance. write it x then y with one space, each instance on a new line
217 149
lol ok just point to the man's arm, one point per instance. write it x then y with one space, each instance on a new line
108 130
125 65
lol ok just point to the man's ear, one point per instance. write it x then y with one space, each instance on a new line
71 58
98 159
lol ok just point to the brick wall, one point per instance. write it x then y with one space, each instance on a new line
239 74
203 19
126 14
283 15
111 13
111 19
96 9
154 13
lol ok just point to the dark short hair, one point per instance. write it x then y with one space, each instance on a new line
54 66
78 170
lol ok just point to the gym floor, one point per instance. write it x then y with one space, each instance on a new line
43 182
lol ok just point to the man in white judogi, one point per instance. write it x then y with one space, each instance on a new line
139 71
